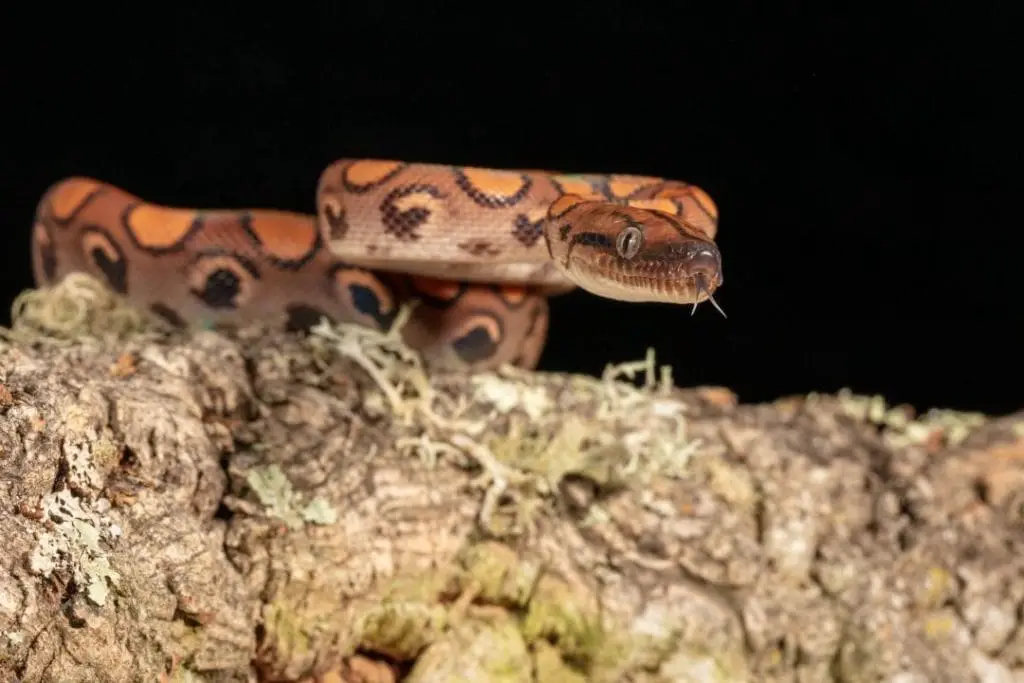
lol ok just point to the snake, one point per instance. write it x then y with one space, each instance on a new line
478 251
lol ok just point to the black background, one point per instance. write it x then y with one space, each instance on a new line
863 161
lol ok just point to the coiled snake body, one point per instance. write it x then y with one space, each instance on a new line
480 249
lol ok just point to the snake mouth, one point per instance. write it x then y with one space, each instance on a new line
690 280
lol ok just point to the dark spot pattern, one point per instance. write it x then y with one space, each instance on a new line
479 248
368 303
403 224
334 215
168 314
476 345
527 232
108 257
223 282
222 288
302 317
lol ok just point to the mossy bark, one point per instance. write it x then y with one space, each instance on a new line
264 506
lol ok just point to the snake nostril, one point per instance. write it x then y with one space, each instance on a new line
704 258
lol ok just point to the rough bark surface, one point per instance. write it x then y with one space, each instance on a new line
260 506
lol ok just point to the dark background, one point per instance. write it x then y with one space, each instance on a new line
862 160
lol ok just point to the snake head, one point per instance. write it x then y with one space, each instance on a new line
631 253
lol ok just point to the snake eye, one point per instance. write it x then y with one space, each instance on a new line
629 241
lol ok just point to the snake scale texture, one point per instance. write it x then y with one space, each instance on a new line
480 250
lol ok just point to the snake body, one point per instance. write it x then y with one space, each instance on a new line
479 249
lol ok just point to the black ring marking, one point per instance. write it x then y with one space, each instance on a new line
403 224
178 246
88 199
222 286
363 298
302 317
337 223
368 303
245 220
168 314
527 232
563 192
115 272
477 344
363 189
488 201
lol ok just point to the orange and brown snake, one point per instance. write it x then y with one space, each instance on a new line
480 249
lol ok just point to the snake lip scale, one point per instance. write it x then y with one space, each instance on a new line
480 250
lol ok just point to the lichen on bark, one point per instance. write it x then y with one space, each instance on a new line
258 505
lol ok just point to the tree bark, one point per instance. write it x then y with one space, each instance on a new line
261 506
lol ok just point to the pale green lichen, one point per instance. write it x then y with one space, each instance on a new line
76 542
901 429
319 511
78 306
275 492
88 458
636 433
549 456
506 395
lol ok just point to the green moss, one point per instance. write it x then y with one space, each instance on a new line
550 667
401 628
501 576
288 632
492 651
